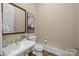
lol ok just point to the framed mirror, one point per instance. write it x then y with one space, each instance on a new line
14 19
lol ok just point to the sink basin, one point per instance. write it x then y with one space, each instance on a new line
16 49
9 48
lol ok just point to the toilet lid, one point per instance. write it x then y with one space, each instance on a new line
38 47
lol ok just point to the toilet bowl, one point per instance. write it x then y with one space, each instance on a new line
38 48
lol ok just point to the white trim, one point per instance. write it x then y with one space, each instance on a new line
57 51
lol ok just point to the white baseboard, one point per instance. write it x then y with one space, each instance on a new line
57 51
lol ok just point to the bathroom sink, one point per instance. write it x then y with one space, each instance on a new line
9 49
16 49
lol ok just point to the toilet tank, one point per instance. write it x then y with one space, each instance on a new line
32 38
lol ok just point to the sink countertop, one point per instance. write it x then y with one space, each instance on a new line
20 47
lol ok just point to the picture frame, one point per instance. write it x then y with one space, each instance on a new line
30 23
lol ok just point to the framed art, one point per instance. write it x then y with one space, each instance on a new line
30 23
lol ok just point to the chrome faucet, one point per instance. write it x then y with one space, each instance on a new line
23 36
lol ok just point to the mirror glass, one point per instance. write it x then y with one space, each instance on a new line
14 19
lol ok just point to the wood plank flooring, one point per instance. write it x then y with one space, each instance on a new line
45 53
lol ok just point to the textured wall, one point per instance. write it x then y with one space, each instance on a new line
56 24
77 25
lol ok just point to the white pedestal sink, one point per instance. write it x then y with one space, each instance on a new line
16 49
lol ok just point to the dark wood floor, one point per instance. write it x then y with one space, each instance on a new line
45 53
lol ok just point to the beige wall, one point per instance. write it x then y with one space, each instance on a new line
0 31
77 24
7 39
56 24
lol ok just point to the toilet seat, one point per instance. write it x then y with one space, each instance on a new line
39 47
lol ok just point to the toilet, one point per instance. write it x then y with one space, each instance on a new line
38 48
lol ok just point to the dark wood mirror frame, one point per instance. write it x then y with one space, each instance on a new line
25 19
